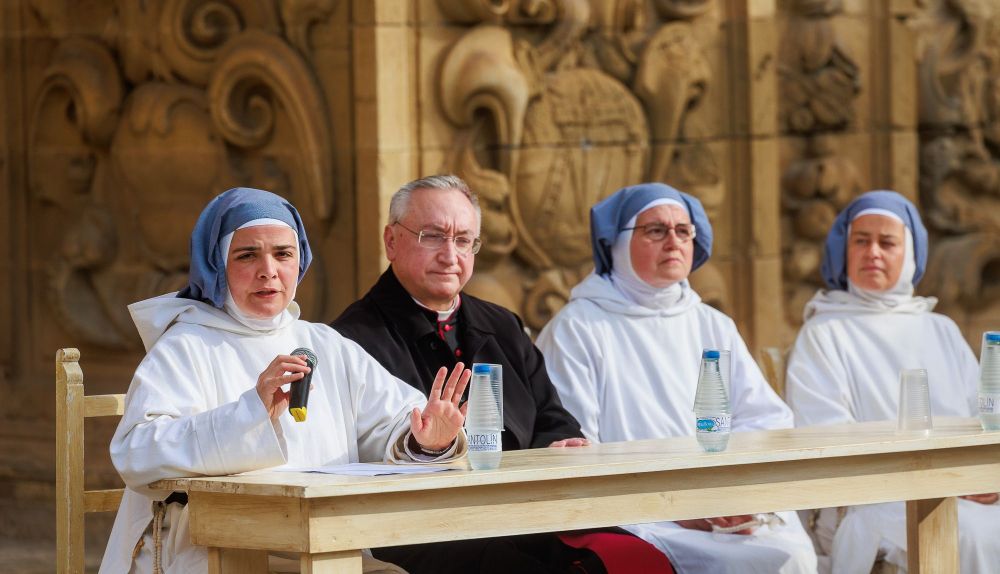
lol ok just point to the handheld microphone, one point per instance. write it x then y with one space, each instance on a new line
300 388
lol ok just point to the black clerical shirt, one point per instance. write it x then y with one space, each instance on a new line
404 338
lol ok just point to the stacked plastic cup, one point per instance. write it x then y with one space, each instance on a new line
914 401
726 370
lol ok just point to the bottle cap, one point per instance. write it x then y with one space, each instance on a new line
480 369
993 337
710 354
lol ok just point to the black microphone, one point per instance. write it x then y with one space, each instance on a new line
300 388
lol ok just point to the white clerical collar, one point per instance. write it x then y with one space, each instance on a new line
442 315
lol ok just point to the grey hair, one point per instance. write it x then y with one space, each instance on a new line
401 199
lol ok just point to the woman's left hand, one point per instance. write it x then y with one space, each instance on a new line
705 524
575 441
437 426
730 521
990 498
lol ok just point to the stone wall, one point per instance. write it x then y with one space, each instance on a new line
121 119
547 107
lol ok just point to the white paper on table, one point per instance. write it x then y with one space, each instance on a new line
371 469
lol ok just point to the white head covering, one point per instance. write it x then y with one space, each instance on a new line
629 284
230 306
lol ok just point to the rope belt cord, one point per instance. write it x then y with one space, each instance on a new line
159 511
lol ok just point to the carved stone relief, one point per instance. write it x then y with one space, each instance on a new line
133 133
959 80
555 106
819 83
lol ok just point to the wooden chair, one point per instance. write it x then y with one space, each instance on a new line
773 362
72 500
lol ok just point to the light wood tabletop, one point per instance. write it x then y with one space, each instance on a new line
329 518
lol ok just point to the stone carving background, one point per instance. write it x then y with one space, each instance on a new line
121 119
959 82
820 83
548 107
132 132
940 110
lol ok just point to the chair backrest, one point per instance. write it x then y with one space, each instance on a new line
772 363
72 500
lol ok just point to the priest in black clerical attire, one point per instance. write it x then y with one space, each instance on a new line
416 320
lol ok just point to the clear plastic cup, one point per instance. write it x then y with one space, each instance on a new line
914 402
726 370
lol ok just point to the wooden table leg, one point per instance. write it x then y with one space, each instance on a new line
236 561
347 562
932 535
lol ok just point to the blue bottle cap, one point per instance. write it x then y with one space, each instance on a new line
993 337
710 354
480 369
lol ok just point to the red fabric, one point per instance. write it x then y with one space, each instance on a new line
621 553
445 328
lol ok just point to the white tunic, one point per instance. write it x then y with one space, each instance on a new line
192 409
845 368
628 372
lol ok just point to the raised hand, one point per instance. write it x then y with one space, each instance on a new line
437 426
274 376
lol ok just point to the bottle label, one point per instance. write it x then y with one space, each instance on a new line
484 441
713 424
989 403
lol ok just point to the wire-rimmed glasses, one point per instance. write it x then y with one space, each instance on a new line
436 240
657 232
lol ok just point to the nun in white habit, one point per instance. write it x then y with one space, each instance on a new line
624 354
207 398
858 335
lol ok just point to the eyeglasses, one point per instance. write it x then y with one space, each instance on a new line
434 240
657 232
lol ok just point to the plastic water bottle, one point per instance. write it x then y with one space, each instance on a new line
483 423
989 381
711 405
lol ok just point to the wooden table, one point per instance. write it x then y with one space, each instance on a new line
330 518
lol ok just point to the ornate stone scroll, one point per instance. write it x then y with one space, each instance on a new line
257 74
131 136
181 39
299 16
556 104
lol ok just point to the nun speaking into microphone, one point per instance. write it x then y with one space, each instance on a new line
208 398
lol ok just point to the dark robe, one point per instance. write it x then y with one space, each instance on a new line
412 344
404 338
